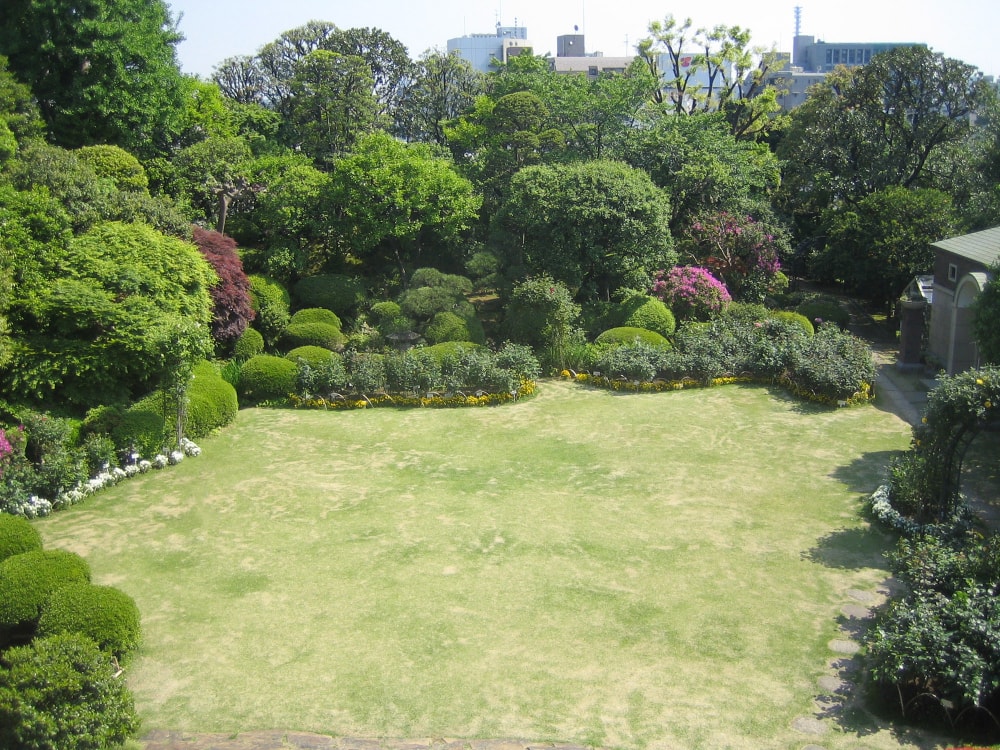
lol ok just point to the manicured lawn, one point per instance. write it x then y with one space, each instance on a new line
660 571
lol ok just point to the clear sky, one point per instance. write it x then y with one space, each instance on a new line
963 29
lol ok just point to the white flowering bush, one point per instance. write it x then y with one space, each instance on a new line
35 506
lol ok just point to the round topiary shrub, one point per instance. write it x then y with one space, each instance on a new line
267 377
17 536
29 579
628 335
212 403
104 614
313 334
793 318
649 313
332 291
314 356
316 315
820 311
448 326
63 692
249 344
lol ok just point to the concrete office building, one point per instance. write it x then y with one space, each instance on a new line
485 51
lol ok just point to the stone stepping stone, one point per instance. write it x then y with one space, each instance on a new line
809 725
856 611
832 684
866 597
844 647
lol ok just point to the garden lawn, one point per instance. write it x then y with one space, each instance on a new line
636 571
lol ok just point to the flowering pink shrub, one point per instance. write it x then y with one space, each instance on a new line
738 249
691 292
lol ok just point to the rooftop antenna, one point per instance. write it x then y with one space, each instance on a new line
626 45
798 20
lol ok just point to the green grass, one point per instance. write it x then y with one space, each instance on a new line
623 570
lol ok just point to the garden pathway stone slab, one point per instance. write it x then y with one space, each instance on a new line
809 725
856 611
844 647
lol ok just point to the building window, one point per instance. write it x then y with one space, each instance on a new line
829 57
850 57
592 71
868 56
952 272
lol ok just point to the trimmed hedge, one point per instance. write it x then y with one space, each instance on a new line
212 402
142 427
648 313
316 315
794 318
267 377
628 335
449 326
336 292
104 614
819 311
271 304
313 334
314 356
63 692
29 579
17 536
248 345
449 349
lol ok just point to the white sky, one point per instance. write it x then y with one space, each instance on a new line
963 29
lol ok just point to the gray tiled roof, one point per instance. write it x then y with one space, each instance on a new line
982 247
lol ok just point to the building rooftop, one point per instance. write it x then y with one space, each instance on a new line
982 247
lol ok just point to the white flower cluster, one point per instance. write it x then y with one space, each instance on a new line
35 506
880 502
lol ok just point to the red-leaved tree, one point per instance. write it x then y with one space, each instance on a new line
232 310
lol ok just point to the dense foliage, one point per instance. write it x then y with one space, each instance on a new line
109 617
232 309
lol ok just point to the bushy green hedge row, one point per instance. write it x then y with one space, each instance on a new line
629 334
104 614
830 366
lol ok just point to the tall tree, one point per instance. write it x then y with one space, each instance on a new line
331 104
444 86
401 204
596 226
712 70
102 71
892 122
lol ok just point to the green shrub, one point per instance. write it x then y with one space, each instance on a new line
212 403
423 303
316 315
17 536
794 318
448 326
315 356
271 305
627 335
819 311
365 372
322 376
636 360
104 614
51 448
99 452
411 371
449 349
336 292
101 420
142 427
63 693
744 312
519 359
640 311
266 377
313 334
833 364
29 579
249 344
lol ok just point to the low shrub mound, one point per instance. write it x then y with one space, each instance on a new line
316 315
794 318
212 402
449 326
271 305
104 614
249 344
29 579
648 313
17 536
450 349
314 356
63 692
336 292
824 311
266 377
627 335
313 334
